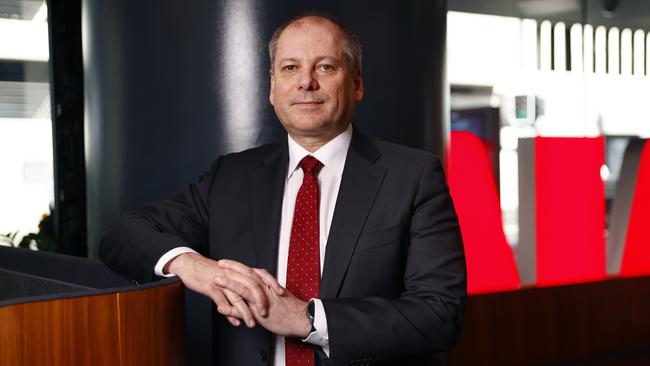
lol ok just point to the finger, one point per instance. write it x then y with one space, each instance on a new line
231 264
270 281
241 306
253 274
238 267
233 321
244 286
224 307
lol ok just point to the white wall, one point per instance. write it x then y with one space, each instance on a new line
26 180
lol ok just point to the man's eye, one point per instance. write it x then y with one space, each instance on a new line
289 68
326 68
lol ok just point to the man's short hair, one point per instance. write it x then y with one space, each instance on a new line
351 43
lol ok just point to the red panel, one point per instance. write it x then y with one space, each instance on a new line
490 262
636 255
570 210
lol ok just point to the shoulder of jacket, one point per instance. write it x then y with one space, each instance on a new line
391 150
256 153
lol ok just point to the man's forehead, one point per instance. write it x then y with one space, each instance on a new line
312 20
309 27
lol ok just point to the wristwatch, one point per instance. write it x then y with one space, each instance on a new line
311 310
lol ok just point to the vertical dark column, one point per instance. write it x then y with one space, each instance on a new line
404 45
440 98
66 86
170 85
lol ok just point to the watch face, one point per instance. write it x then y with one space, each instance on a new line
311 309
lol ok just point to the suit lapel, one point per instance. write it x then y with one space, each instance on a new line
360 184
267 189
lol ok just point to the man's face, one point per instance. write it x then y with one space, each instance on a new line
313 90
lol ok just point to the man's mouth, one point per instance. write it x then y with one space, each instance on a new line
307 102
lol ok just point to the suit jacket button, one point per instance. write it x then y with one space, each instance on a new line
263 355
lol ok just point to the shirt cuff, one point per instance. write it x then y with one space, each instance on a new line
158 269
320 336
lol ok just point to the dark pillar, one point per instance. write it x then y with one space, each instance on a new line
404 69
170 85
66 99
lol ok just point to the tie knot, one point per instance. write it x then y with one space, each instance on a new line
310 165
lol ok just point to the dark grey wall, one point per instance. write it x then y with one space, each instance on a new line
169 85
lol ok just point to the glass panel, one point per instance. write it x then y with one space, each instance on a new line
551 84
26 178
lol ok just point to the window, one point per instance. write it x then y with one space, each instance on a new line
26 167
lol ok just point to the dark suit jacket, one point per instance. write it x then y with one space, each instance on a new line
393 284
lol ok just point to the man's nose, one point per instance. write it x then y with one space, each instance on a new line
307 81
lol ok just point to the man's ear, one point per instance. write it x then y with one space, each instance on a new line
358 86
272 86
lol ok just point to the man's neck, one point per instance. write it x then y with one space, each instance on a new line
313 143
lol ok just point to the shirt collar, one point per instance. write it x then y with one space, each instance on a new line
332 154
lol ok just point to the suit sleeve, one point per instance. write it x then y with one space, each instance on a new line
428 315
137 240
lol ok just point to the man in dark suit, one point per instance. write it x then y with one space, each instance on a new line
330 247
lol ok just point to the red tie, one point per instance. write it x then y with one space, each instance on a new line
303 266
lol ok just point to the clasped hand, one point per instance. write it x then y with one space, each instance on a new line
242 293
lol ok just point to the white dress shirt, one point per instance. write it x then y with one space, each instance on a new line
332 155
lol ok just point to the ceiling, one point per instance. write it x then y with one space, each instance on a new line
19 9
24 86
634 14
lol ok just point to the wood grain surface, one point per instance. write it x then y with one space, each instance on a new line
152 328
562 325
143 327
